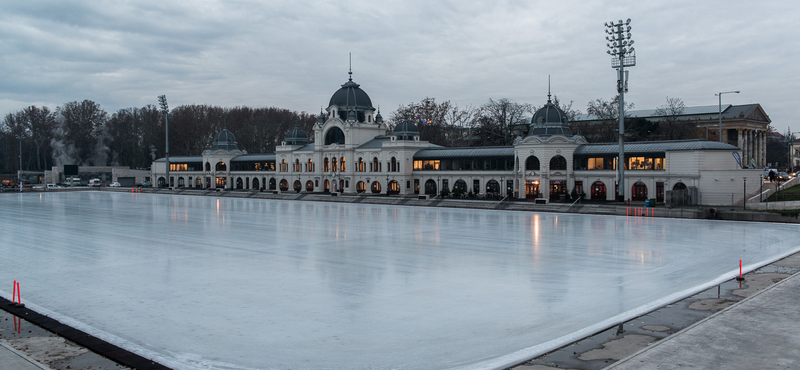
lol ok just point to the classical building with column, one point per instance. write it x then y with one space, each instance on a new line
353 151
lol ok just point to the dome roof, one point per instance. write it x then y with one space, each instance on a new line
406 130
549 120
351 96
225 141
296 136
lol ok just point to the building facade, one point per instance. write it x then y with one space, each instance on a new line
354 151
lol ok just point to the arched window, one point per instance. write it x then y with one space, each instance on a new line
310 166
375 164
361 187
297 165
342 165
334 136
393 164
333 164
394 187
284 166
360 165
679 186
532 163
221 167
256 184
208 166
309 185
376 187
272 185
558 163
461 186
325 167
639 191
430 187
284 185
493 187
598 190
297 186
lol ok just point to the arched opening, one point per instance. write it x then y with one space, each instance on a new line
679 186
326 186
326 165
284 185
221 167
333 164
341 186
181 182
430 187
239 183
222 182
309 186
361 187
341 163
376 187
639 191
198 182
360 167
598 191
297 186
394 187
255 184
394 164
208 166
375 164
558 163
532 163
162 182
272 184
460 185
492 188
334 136
558 188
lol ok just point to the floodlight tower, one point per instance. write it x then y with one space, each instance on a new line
621 50
162 100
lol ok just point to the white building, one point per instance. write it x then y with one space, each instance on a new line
353 151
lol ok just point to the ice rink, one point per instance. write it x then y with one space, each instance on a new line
225 283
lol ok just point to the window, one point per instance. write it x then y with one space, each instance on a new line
325 166
476 186
334 136
333 164
558 163
532 163
342 164
310 166
393 165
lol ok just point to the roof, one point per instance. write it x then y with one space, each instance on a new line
652 147
439 153
375 142
700 112
351 96
178 159
253 157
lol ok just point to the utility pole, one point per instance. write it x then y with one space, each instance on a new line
621 50
162 100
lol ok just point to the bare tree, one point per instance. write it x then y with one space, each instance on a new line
606 123
439 123
495 119
672 125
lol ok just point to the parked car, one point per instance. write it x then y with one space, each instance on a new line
53 186
114 184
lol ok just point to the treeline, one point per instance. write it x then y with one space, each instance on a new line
83 133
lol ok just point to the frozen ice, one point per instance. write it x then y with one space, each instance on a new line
230 283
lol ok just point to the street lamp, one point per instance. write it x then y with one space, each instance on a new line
720 110
623 55
19 174
162 100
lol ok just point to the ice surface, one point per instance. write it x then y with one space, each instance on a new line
225 283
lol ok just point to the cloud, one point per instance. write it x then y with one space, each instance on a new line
295 54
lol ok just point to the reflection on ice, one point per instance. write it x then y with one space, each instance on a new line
203 282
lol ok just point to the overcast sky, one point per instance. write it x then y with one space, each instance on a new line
294 54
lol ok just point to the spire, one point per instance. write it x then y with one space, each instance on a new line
351 67
548 89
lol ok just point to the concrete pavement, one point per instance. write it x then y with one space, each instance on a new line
10 359
760 332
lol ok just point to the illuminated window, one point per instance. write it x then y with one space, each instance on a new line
342 164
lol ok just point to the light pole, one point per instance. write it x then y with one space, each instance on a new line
621 50
19 174
162 100
720 110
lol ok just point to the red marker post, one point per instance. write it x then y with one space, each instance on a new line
740 278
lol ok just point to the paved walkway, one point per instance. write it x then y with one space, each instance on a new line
760 332
16 360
